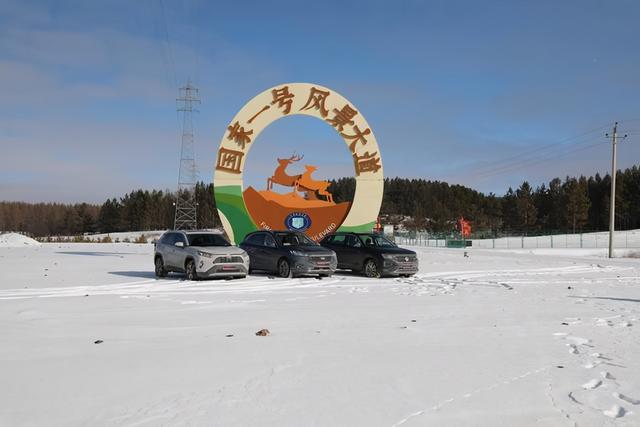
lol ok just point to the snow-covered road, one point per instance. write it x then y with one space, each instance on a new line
498 338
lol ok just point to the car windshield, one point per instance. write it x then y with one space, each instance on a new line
207 239
295 239
377 240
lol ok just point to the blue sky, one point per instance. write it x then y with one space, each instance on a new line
485 94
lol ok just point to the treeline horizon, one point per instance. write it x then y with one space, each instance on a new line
572 205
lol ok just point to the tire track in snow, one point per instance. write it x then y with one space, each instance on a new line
439 405
446 282
167 288
64 291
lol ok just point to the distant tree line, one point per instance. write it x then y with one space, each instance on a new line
569 205
48 219
138 210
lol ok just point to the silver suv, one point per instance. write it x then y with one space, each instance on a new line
199 254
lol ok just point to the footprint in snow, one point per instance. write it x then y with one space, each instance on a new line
577 340
590 385
607 376
616 411
627 399
603 322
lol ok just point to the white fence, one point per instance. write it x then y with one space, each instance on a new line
420 241
621 239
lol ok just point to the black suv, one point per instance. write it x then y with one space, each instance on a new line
288 253
371 254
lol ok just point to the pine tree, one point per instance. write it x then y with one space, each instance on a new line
109 217
576 203
509 211
525 208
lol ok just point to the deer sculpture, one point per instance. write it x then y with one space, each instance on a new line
280 176
309 185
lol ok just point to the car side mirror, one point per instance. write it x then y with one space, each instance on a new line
179 244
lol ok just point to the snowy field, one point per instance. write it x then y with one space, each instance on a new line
89 337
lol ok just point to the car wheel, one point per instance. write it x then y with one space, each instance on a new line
371 268
160 270
191 270
284 269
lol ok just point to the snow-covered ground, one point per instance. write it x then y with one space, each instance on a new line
496 338
130 236
16 240
120 236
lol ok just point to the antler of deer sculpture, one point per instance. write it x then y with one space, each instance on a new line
280 176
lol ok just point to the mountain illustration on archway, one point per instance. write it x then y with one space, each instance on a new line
295 201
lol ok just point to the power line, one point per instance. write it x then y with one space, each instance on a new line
169 53
190 14
549 154
535 161
552 147
637 119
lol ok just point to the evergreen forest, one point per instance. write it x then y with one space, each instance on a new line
569 205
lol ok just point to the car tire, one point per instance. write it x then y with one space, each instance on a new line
370 268
190 270
160 270
284 268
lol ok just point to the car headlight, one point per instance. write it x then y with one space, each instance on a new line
297 253
205 254
388 256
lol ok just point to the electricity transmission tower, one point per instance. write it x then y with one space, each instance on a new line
186 204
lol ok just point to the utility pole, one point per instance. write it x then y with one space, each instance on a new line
612 203
186 204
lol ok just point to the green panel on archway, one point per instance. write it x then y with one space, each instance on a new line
230 202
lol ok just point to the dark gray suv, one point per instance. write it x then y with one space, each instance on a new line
288 253
199 254
371 254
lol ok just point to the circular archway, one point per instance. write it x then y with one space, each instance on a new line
308 206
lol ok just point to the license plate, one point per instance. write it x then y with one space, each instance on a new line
229 267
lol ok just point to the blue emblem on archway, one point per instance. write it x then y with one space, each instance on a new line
297 221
